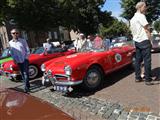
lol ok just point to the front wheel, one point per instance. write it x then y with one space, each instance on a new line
33 71
93 78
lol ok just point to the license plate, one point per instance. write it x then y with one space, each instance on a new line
61 88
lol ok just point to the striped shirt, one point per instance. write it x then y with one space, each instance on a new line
19 50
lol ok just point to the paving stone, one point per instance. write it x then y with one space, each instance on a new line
151 117
122 117
107 114
88 108
158 118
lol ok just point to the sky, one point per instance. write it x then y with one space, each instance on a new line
113 6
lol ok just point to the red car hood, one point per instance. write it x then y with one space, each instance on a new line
72 60
34 56
15 105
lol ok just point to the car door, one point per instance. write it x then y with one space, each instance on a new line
118 57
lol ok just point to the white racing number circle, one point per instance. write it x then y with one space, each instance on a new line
118 57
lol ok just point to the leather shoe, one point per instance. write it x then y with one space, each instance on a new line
26 91
148 83
138 80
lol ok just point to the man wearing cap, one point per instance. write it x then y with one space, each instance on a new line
20 52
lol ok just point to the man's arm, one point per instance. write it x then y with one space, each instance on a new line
26 47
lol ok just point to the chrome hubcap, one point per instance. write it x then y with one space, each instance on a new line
92 78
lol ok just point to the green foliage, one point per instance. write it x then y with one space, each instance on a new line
117 28
157 25
43 15
152 14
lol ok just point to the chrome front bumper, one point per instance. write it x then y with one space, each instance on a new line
10 75
54 81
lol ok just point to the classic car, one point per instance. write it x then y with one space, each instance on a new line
156 43
86 68
120 41
5 56
38 56
16 105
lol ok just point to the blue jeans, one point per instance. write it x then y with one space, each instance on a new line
24 69
143 53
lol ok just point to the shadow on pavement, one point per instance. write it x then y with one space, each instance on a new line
109 80
156 74
36 86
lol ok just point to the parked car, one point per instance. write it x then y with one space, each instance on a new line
156 43
120 41
5 56
86 68
16 105
38 56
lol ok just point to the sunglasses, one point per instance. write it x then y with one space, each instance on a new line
15 33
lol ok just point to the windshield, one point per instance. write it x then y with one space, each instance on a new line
92 50
88 46
38 50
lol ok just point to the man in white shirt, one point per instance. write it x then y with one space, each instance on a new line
20 53
141 35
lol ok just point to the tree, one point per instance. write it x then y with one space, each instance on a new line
43 15
153 11
117 28
3 6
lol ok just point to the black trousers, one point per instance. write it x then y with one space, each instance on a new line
143 53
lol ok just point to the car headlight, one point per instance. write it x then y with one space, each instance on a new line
11 67
43 67
68 70
159 43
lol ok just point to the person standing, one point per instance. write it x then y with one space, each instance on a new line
142 37
20 52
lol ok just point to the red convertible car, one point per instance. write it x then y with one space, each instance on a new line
36 59
86 68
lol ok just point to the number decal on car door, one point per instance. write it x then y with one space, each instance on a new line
118 57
